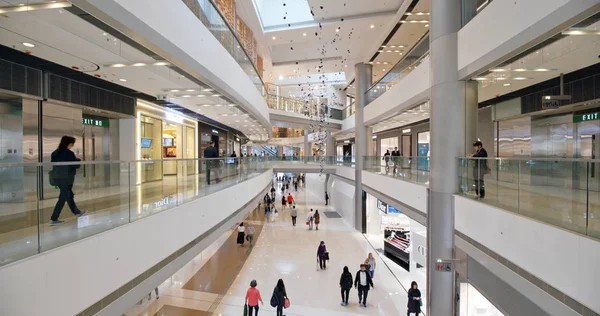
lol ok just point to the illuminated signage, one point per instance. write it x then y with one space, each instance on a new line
382 206
406 130
173 117
586 117
214 131
94 122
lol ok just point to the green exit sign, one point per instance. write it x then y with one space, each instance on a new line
95 122
586 117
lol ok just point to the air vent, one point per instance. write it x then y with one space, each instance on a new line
71 91
19 78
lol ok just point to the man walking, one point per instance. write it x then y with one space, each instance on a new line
210 153
326 198
250 234
294 215
362 282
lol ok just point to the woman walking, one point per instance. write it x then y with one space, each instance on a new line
370 262
346 284
63 177
414 299
252 298
322 255
279 297
241 234
317 219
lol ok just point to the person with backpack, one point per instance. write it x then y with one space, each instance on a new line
279 297
253 297
294 214
322 255
362 281
317 219
310 219
414 299
345 285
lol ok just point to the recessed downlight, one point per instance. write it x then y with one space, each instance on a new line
207 90
372 26
123 80
217 105
139 64
303 34
216 95
207 105
28 44
161 63
118 65
506 84
274 38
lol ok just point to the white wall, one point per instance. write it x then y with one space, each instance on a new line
413 195
565 260
188 44
345 172
315 184
502 29
341 195
66 280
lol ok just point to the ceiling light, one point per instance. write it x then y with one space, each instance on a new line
480 78
280 77
337 30
232 105
372 26
161 63
380 51
426 25
303 34
383 69
139 64
274 38
225 114
122 79
520 78
206 105
506 84
520 70
186 96
175 90
190 90
28 44
117 65
542 69
201 95
216 95
217 105
501 78
396 51
207 90
389 51
498 70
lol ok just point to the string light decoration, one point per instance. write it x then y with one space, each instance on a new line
315 102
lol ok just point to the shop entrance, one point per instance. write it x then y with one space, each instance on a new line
215 139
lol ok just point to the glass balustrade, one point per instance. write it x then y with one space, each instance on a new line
560 192
406 65
348 111
214 21
411 169
470 8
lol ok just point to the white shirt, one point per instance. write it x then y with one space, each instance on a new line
241 229
363 278
310 216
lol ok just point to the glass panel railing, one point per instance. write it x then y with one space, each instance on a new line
348 111
411 169
212 18
470 8
560 192
37 215
308 108
405 66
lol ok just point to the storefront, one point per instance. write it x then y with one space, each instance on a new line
473 303
209 133
345 151
164 136
402 239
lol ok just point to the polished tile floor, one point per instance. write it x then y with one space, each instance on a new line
281 251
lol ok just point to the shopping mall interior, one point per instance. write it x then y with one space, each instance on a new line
227 157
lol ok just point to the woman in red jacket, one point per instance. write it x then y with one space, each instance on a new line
290 200
253 297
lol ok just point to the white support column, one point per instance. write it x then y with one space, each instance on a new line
363 75
307 151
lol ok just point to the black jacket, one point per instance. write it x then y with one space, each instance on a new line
346 281
414 304
64 175
211 152
357 279
481 165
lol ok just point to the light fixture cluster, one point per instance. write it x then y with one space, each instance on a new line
188 90
119 65
522 70
379 62
581 31
501 78
417 13
415 21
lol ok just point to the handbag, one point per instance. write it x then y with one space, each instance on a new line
51 178
326 256
286 303
274 301
245 309
307 223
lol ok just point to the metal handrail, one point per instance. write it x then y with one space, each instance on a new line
533 159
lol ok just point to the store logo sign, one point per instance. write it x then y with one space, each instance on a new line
173 117
382 206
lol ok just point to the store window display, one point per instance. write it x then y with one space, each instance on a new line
151 148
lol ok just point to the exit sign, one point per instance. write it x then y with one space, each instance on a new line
94 122
586 117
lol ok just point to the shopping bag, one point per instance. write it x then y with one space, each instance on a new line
307 223
245 309
286 303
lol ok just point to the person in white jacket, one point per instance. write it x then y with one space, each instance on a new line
310 219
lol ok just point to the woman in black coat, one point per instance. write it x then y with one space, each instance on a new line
63 177
346 284
281 295
414 299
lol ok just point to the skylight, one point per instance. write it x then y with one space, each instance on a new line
273 13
